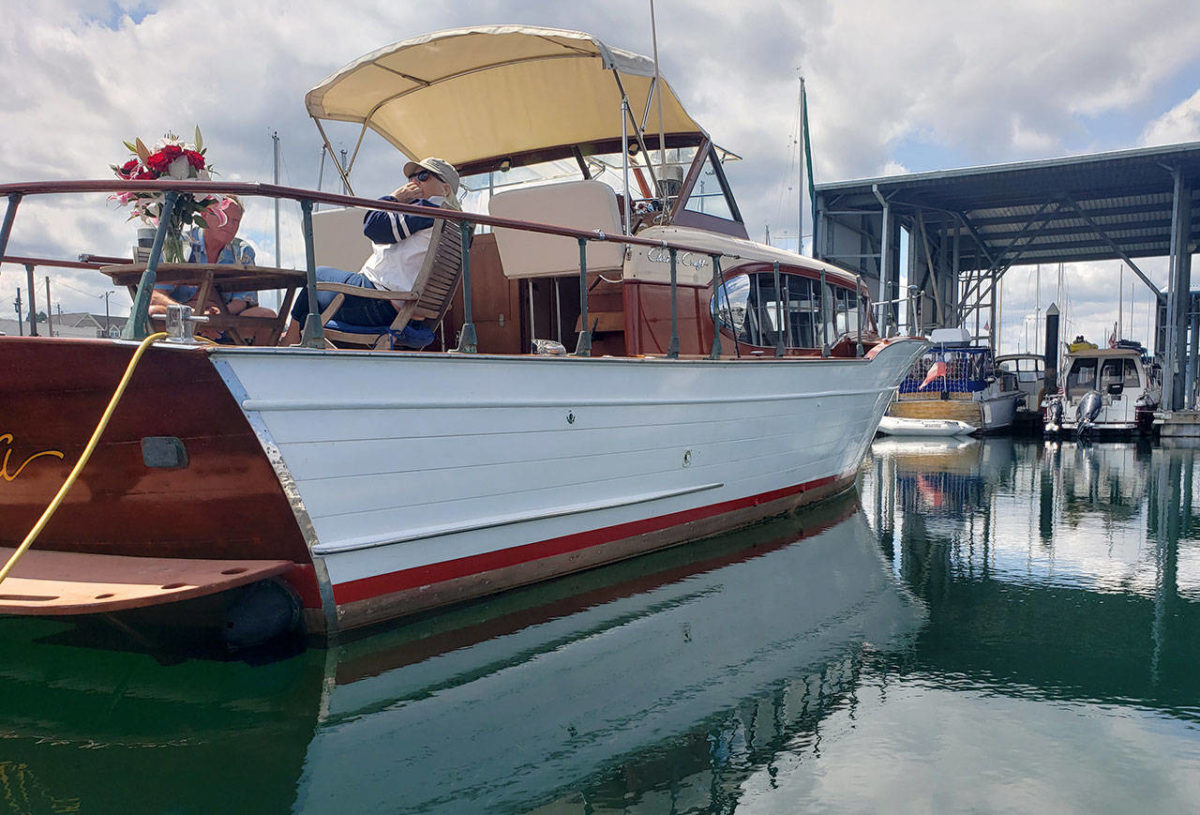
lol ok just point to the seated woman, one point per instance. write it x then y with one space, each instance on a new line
400 242
217 240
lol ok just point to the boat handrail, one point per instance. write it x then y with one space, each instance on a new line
299 195
910 302
138 325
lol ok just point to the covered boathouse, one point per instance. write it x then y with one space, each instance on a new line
966 228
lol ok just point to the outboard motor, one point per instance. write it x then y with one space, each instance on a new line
1054 414
1086 413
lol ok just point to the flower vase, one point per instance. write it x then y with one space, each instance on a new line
173 248
172 251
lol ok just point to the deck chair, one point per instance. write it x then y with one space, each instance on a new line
428 301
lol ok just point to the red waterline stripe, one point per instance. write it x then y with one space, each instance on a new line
367 587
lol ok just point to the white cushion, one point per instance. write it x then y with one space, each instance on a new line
338 238
586 205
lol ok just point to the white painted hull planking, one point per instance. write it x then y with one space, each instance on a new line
424 479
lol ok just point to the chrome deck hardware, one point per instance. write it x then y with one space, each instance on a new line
181 325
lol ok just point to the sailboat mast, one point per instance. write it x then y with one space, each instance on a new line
275 141
800 189
812 189
1121 303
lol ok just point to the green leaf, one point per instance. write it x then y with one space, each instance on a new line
198 221
132 149
199 142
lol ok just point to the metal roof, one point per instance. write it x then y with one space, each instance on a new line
1079 208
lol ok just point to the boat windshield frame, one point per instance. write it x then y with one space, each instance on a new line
691 159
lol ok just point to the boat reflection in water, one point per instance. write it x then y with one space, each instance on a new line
1056 571
672 678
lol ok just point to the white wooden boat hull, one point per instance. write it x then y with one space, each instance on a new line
424 479
990 411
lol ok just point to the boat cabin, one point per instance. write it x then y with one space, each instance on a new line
603 146
1114 386
1029 372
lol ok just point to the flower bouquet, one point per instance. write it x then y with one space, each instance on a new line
169 158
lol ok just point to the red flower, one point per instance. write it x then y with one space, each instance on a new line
194 159
160 161
126 169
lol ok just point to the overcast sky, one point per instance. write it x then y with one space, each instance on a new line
893 88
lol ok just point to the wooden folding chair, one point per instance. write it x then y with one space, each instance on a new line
429 299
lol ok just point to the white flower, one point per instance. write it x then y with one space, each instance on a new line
179 168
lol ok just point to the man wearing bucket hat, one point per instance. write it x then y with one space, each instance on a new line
400 241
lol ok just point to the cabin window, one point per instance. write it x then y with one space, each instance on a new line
1026 369
757 313
1119 372
1081 378
845 312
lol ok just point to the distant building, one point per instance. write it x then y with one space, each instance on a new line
78 324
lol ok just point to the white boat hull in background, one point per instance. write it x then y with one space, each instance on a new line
999 411
896 426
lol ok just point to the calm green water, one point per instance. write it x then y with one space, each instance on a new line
988 626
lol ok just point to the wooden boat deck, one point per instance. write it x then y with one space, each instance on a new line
66 583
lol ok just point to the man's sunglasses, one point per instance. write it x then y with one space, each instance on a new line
424 175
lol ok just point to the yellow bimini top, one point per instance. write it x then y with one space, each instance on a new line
470 95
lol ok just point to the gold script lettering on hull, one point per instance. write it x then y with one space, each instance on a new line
7 439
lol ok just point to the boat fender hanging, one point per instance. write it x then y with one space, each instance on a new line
263 612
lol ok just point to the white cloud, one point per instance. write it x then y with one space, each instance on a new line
1179 124
982 82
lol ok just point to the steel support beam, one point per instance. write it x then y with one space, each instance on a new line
1113 246
885 264
1178 295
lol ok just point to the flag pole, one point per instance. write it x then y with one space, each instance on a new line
662 139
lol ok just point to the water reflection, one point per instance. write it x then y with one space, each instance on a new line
1058 570
997 626
658 685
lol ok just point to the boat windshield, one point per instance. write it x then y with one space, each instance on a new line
750 306
1026 369
708 197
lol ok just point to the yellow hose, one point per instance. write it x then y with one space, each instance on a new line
83 459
